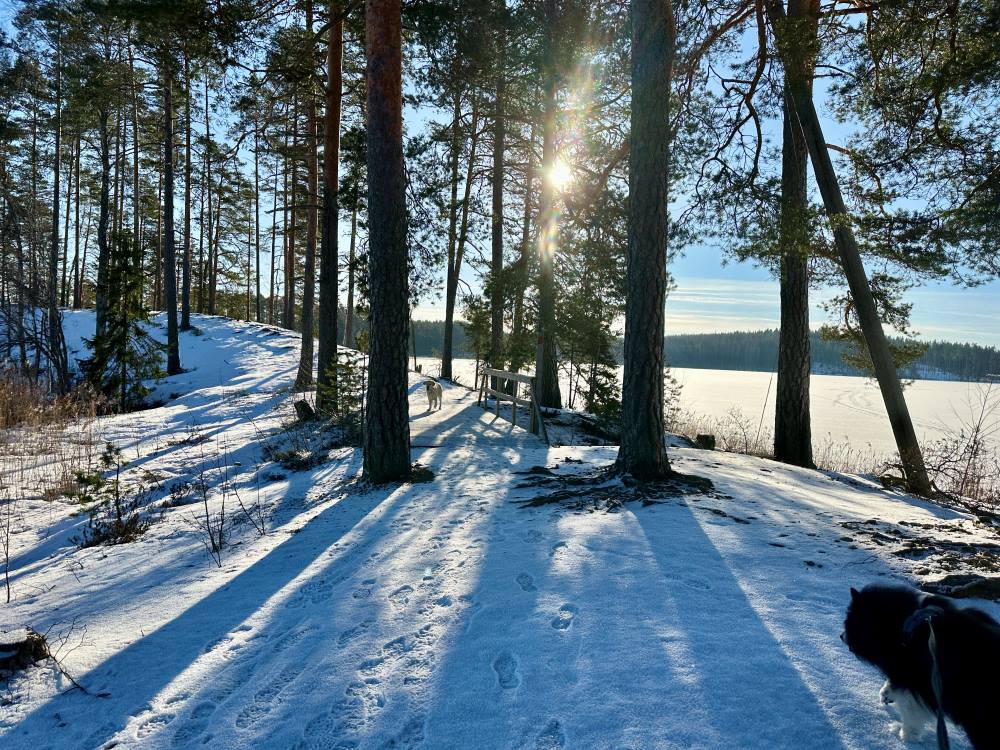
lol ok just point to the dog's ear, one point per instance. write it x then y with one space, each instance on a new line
854 593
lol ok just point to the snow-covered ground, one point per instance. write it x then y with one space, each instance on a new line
845 410
443 615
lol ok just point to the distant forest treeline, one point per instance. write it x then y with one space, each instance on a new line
758 351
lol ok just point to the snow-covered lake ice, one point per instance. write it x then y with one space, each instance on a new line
844 409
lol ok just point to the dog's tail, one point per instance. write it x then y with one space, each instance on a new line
914 622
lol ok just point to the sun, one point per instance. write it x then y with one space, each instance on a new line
560 175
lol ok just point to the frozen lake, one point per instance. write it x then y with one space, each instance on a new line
846 410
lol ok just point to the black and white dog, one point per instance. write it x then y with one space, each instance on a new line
895 629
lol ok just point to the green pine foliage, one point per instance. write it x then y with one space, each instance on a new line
125 356
350 373
114 510
476 310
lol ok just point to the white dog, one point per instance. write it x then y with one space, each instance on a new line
433 394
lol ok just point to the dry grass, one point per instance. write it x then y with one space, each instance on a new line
44 440
963 463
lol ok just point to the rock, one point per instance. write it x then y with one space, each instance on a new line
303 411
965 586
21 647
705 442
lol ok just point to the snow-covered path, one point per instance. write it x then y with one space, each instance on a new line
443 615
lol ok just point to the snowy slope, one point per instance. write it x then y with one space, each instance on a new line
443 615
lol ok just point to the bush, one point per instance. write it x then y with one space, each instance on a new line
114 510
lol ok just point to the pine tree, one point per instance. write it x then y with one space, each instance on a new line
642 452
387 430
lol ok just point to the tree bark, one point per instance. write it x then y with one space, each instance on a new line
288 319
63 286
57 347
546 365
274 245
792 425
305 374
642 452
136 207
77 292
457 253
188 162
256 222
169 257
212 262
349 321
456 145
329 279
521 280
850 256
103 248
496 220
387 429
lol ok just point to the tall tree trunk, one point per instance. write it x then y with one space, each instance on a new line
349 321
83 257
169 258
274 243
249 270
212 260
642 452
256 223
546 366
103 247
63 286
116 178
136 207
792 426
455 264
447 349
496 220
288 319
850 257
158 258
387 428
521 280
57 346
188 163
305 374
77 293
326 390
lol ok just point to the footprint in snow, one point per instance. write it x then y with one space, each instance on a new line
153 725
526 582
551 738
564 617
189 731
353 632
401 596
505 665
203 710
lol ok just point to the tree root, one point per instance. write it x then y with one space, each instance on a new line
607 489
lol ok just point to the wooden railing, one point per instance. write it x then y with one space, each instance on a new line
535 422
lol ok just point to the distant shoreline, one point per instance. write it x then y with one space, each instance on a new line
757 351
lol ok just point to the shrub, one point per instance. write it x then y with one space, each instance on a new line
114 510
